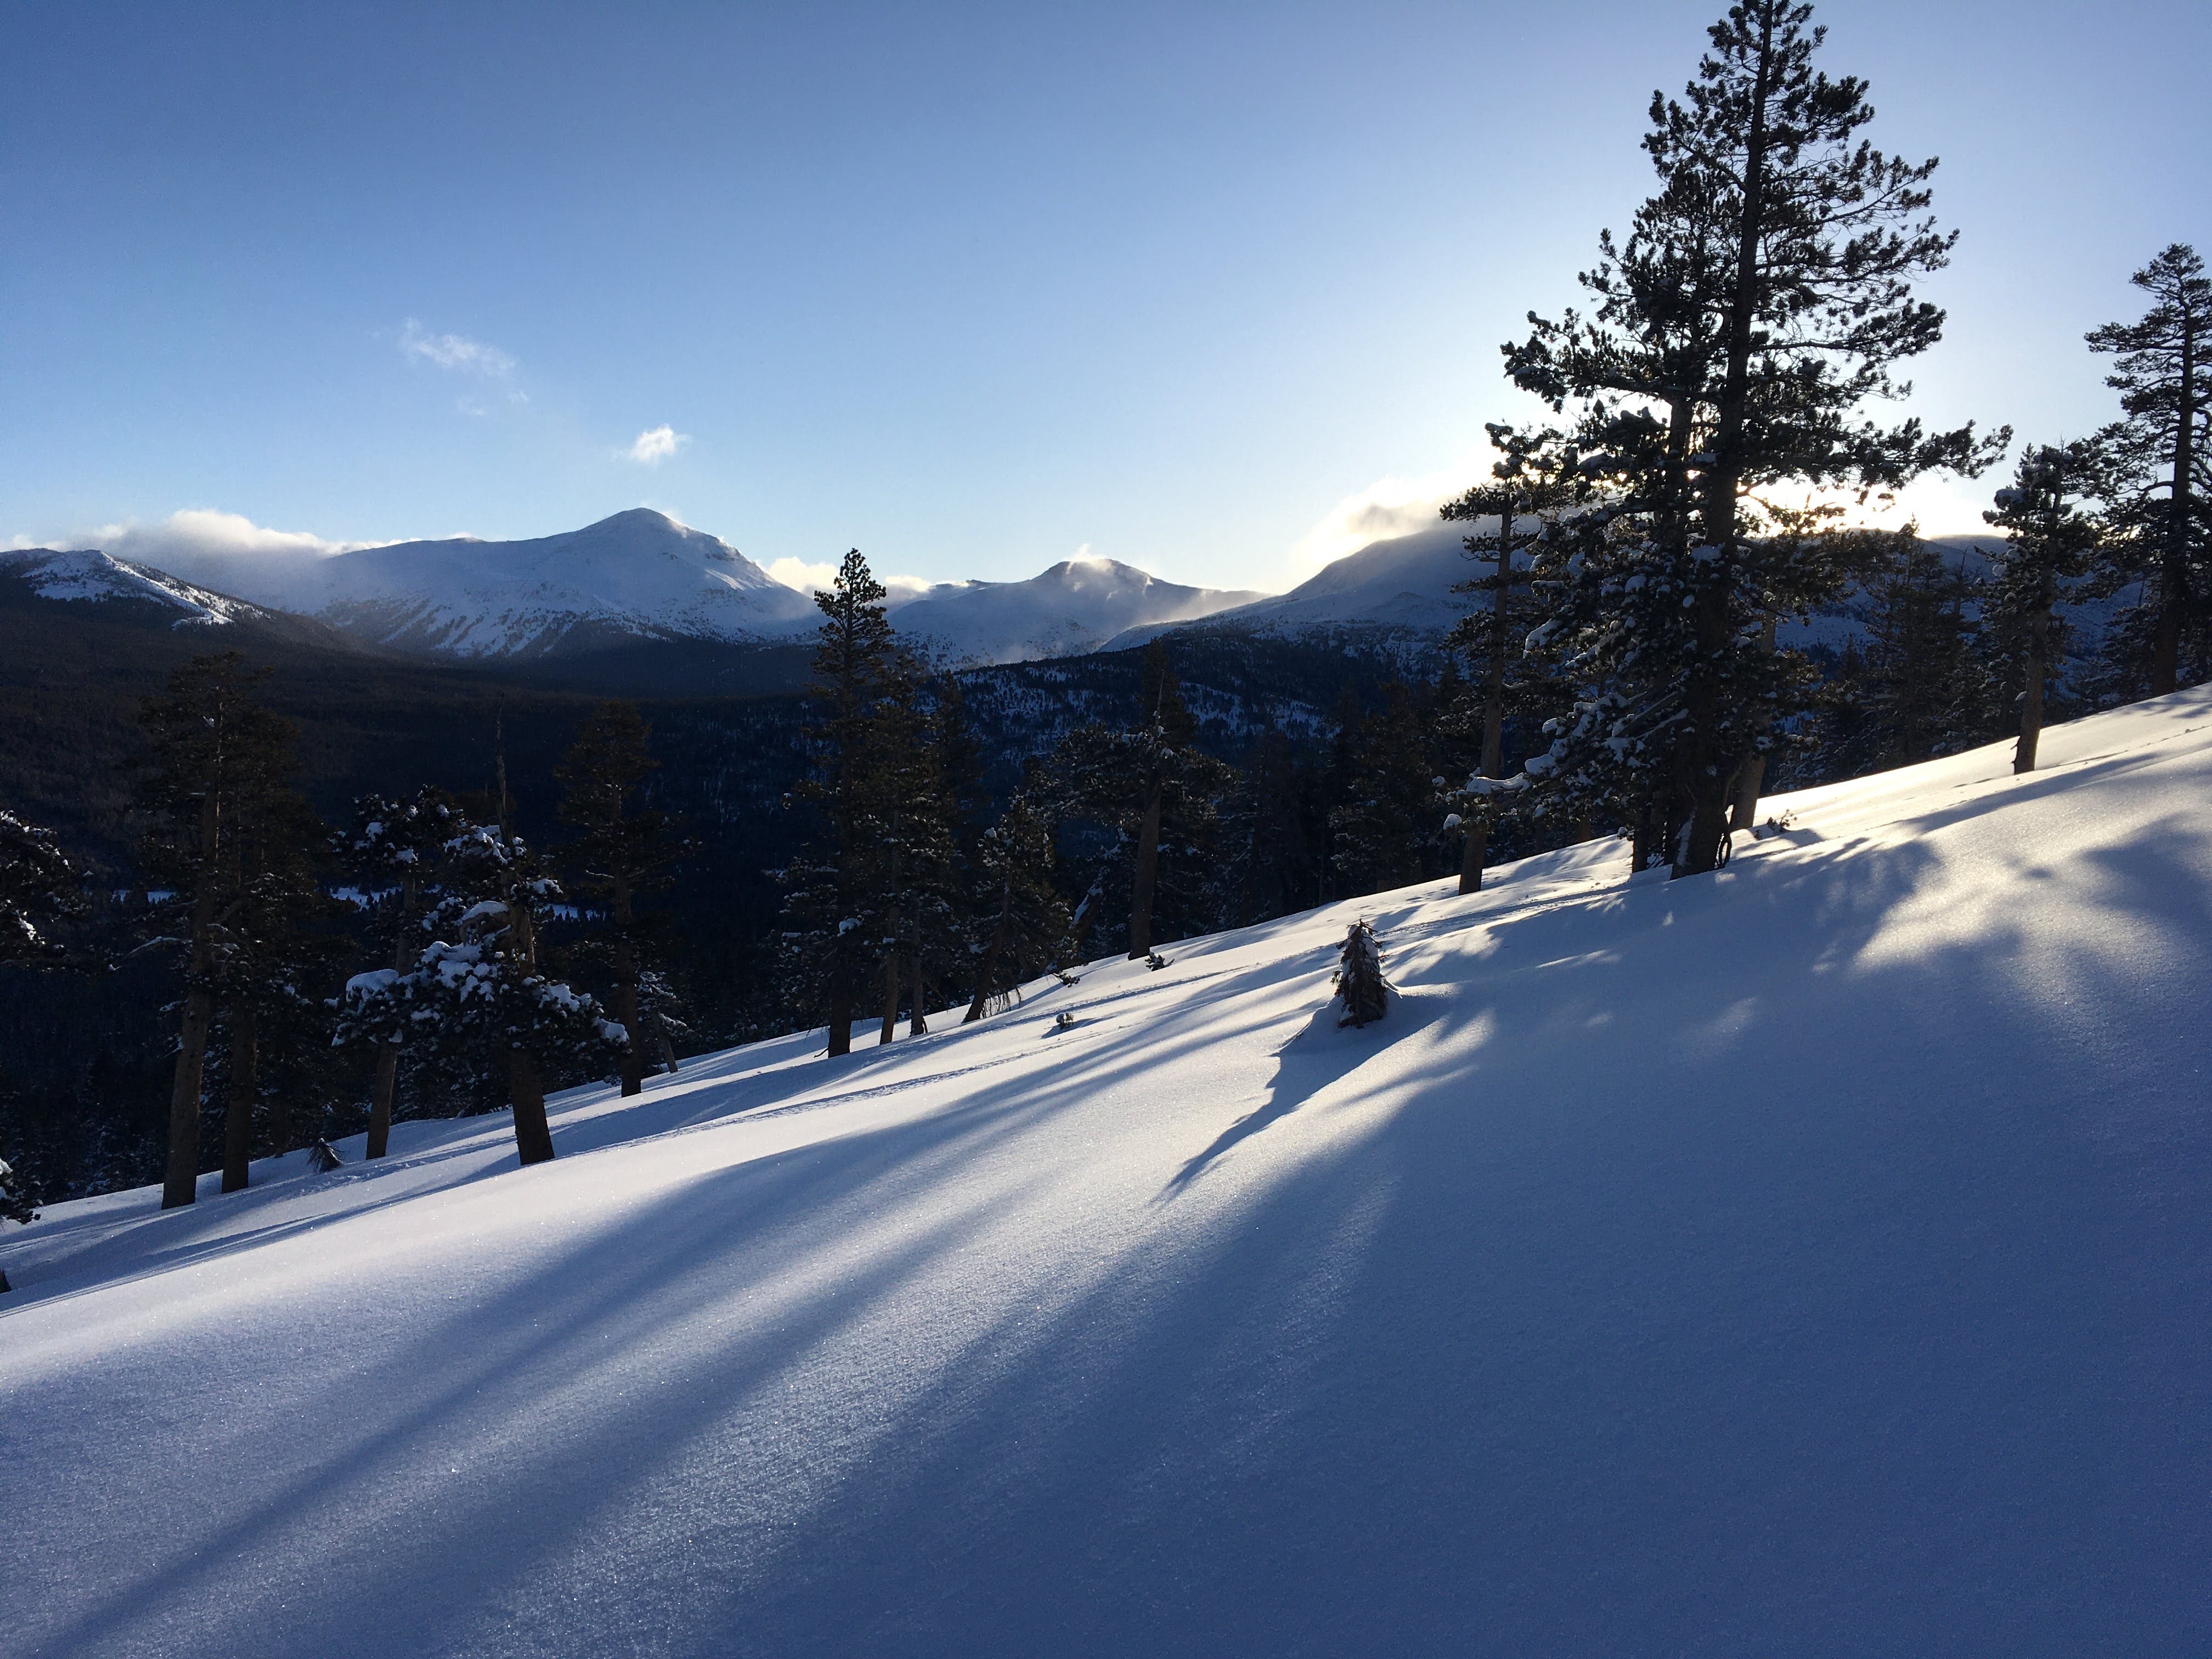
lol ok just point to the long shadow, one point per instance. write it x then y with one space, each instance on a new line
1602 1340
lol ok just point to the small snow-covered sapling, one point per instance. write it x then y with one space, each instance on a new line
1155 961
1359 982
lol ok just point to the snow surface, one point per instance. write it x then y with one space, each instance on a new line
1812 1258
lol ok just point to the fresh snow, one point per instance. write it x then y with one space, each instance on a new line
1810 1258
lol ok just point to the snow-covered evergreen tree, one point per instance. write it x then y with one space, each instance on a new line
38 888
1762 299
1360 986
395 849
476 990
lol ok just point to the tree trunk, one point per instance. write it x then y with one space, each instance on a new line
386 1082
1727 469
633 1066
2173 584
1477 834
1751 774
183 1176
633 1063
1494 701
667 1049
238 1110
533 1135
841 1019
181 1181
1148 858
890 988
917 1021
2031 700
381 1090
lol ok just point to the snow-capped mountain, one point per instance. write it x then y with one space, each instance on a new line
642 576
638 574
86 576
1071 610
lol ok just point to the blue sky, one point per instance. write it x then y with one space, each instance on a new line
970 287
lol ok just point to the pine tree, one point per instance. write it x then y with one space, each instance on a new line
477 991
910 852
620 854
278 944
2161 451
827 936
1359 982
2050 542
218 767
1275 868
1159 795
402 843
1915 690
1763 298
1024 916
38 889
1380 833
1521 510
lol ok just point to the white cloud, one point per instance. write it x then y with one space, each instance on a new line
811 578
651 447
454 351
204 533
1389 507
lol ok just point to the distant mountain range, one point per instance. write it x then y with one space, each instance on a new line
640 595
640 576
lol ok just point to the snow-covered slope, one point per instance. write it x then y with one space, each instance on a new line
1400 587
87 575
1811 1258
1071 610
638 574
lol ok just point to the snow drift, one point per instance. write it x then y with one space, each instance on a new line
1808 1258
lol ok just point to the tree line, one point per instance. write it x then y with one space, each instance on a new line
265 915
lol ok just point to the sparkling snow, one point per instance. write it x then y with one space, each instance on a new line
1812 1258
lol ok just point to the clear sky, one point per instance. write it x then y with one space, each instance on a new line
971 287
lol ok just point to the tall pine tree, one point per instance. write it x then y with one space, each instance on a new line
2050 540
2162 451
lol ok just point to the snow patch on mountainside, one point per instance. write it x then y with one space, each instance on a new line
86 574
1810 1257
